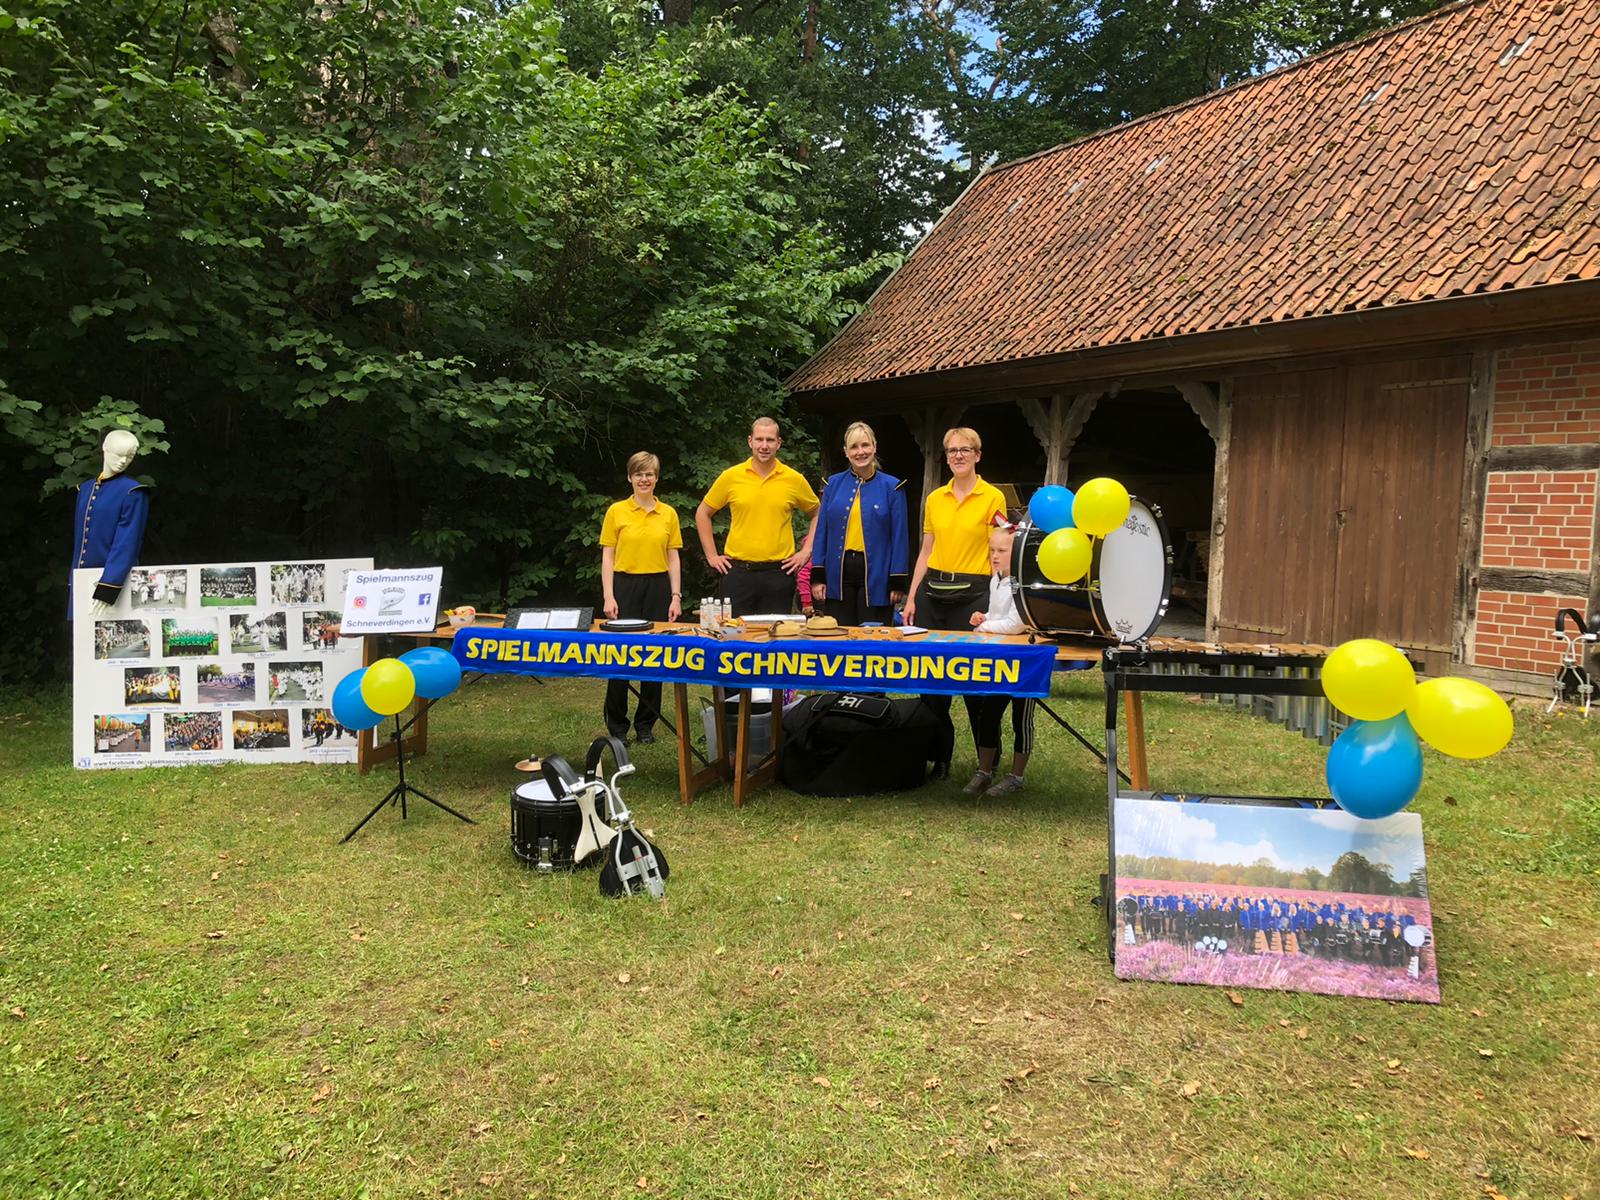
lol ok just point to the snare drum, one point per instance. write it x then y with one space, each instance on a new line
544 829
1124 596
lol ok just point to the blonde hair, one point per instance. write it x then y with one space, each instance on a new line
760 421
856 427
643 461
1004 532
962 431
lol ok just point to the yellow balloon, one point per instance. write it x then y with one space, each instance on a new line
1460 717
1064 555
1368 679
1100 506
388 686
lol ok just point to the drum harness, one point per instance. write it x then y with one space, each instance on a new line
632 864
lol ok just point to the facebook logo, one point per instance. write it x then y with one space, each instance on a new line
423 598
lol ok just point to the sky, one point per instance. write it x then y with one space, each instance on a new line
1290 838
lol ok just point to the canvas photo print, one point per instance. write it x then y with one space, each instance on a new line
217 684
261 729
295 681
264 634
227 586
188 636
299 583
151 685
158 587
122 733
192 731
1294 899
121 639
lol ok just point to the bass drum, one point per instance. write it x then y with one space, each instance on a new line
1125 595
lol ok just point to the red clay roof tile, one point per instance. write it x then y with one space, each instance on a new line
1452 155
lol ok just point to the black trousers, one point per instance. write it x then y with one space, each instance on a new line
991 709
853 609
759 588
944 612
646 596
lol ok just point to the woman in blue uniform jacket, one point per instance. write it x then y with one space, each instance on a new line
861 557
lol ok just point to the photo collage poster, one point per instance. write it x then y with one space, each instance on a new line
212 663
1266 896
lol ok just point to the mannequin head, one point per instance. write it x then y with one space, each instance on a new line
118 451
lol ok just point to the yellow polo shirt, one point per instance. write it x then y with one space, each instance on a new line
762 525
854 537
641 539
961 528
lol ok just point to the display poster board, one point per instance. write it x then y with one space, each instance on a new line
213 662
397 600
1241 893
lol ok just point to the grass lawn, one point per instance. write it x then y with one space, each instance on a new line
892 996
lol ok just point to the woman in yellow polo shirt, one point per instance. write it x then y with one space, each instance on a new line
639 573
951 579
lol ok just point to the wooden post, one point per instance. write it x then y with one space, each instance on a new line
1222 435
1474 482
1138 766
1057 422
927 427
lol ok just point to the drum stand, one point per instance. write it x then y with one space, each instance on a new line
402 789
1087 744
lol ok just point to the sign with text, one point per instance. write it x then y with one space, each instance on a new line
840 665
401 600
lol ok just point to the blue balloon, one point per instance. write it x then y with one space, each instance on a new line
1051 508
349 709
436 670
1375 768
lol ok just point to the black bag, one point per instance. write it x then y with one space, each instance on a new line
843 744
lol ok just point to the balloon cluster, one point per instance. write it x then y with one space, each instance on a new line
1375 766
365 697
1070 521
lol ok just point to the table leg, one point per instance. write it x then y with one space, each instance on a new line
370 751
741 751
1138 768
692 782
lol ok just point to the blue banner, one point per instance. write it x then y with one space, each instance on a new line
830 664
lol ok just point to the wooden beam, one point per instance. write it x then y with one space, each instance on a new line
1544 458
1561 583
1057 424
1223 436
928 428
1202 397
1474 483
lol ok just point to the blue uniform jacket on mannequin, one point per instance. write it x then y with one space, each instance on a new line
108 531
883 530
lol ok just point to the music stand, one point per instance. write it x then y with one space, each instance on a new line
402 789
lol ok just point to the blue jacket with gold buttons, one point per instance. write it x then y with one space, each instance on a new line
883 530
108 530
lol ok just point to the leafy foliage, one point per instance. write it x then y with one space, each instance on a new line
396 280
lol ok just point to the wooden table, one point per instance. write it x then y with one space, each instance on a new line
731 763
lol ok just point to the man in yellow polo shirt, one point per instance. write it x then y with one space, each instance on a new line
761 495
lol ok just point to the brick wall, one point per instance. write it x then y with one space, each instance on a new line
1516 630
1546 394
1539 520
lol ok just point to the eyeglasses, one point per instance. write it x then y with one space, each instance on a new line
960 451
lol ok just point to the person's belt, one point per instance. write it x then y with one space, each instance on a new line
745 564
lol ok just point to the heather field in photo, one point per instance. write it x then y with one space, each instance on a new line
1170 962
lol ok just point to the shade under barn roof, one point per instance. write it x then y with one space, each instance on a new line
1454 155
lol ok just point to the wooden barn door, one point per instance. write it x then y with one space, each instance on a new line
1344 502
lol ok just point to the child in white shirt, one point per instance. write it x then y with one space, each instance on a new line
1002 617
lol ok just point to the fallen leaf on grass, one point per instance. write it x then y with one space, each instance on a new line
1485 1053
932 1083
215 934
992 1146
1476 1012
980 1021
488 1180
1392 1065
1417 1152
216 875
624 977
1191 1088
1302 1033
821 1081
777 972
323 1093
1283 1022
1016 916
479 1129
1583 1135
642 1183
20 1013
357 936
1235 999
872 1103
905 893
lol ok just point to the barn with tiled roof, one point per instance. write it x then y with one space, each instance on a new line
1342 321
